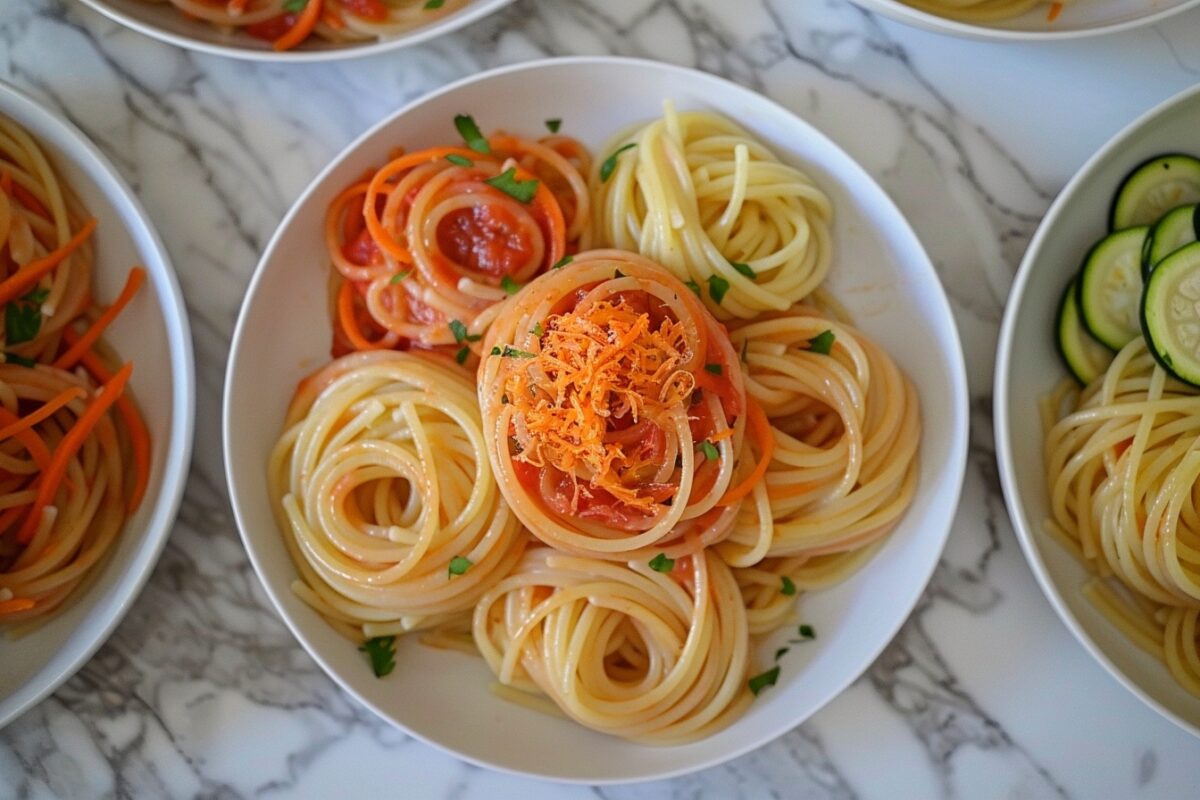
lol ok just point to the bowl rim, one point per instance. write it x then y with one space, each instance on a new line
955 464
1002 426
23 108
908 15
477 10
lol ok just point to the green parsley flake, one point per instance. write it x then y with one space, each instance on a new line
496 350
461 355
660 563
459 565
433 5
822 343
20 361
399 276
807 631
509 285
760 682
717 287
553 125
715 369
512 352
522 191
610 163
781 652
618 274
382 651
23 317
562 262
295 6
695 287
462 161
789 586
537 330
744 269
710 451
470 133
459 330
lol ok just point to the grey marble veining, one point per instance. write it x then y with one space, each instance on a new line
203 692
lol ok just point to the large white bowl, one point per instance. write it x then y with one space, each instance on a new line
880 272
164 22
1083 18
153 333
1028 366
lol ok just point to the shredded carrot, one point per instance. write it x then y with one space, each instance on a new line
46 411
52 477
16 604
37 448
303 27
18 283
760 429
1055 10
333 19
137 276
718 437
345 307
138 434
22 195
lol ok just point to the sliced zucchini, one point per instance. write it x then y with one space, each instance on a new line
1171 313
1085 358
1153 188
1110 287
1179 227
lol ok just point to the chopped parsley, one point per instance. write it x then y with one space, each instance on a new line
382 651
618 274
610 163
781 652
20 361
295 6
695 287
562 262
822 343
522 191
512 352
23 317
807 631
710 451
660 563
462 161
744 269
762 681
399 276
461 355
553 125
717 287
715 369
433 5
509 285
537 330
460 333
459 565
496 350
470 131
789 586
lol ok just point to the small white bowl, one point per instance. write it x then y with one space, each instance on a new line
164 22
153 333
1080 19
880 272
1028 366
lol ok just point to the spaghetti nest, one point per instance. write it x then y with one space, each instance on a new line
1122 467
444 234
381 483
614 410
702 197
984 10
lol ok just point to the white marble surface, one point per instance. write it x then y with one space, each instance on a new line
202 692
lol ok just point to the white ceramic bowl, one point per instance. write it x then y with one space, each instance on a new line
880 272
153 333
163 21
1028 366
1083 18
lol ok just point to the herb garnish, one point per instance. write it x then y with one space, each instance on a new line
695 287
562 262
512 352
295 6
760 682
462 161
399 276
507 182
459 565
537 330
744 269
382 650
710 451
717 287
509 285
781 652
715 369
610 163
23 317
660 563
460 332
461 355
807 631
789 586
553 125
470 132
822 343
20 361
433 5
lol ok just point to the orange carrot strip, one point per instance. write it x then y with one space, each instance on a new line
139 436
1055 10
756 420
345 306
16 604
137 276
717 437
303 27
15 285
33 443
333 19
53 476
47 410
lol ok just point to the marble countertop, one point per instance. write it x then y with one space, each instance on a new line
203 692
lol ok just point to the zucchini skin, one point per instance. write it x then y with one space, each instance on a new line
1112 206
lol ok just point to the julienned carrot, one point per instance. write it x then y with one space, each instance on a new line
16 604
139 437
345 307
756 420
23 195
1055 10
137 276
19 282
50 479
37 448
47 410
303 27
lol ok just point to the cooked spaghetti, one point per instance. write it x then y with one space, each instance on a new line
1122 467
614 410
385 493
289 23
74 451
627 650
438 237
985 10
704 198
